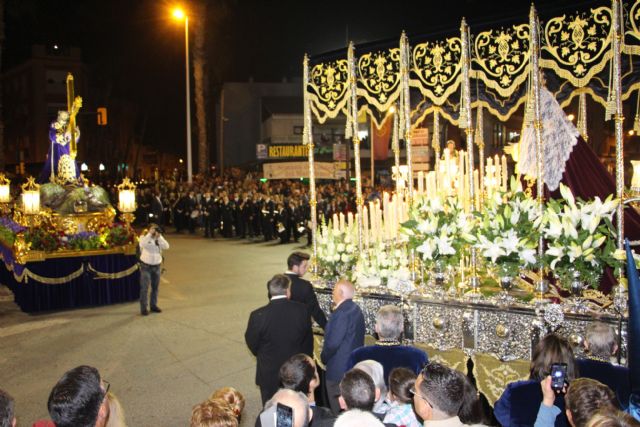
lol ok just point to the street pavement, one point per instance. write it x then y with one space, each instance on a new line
161 365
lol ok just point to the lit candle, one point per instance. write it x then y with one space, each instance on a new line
336 223
365 225
505 173
489 175
341 221
350 219
420 182
476 187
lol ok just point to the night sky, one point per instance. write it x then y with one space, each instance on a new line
134 48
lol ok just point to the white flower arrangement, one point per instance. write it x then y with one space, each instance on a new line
580 236
337 252
385 267
439 229
508 230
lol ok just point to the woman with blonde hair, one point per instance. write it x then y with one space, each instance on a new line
116 413
213 413
233 397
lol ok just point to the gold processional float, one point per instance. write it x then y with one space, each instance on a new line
66 216
467 248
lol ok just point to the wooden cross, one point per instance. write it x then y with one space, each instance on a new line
73 107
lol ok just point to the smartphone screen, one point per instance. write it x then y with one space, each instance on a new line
284 416
558 376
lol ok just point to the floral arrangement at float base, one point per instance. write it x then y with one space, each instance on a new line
337 252
438 230
580 237
48 239
385 266
507 231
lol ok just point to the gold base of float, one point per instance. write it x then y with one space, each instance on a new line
67 224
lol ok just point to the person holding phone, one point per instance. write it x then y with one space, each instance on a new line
151 246
519 404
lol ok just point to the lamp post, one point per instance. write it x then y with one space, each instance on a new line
127 201
5 194
31 197
180 15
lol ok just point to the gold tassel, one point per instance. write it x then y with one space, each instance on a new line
436 133
636 120
479 136
582 117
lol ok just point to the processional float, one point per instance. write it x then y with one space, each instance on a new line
497 71
63 223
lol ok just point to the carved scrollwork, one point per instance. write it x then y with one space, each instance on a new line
328 85
379 77
502 58
437 66
632 30
578 45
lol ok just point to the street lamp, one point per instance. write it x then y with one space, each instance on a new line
180 15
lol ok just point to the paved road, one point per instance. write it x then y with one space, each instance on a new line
161 365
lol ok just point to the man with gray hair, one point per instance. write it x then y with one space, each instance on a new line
600 347
295 400
276 332
388 350
344 333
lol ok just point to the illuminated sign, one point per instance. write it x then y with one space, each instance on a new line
294 150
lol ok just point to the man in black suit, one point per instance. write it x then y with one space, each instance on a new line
302 290
276 332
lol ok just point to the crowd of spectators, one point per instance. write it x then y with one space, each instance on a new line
243 207
387 383
435 396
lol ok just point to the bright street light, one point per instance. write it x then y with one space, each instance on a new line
180 14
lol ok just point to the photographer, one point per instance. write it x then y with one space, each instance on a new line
151 246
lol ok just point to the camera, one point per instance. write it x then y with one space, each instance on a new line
158 229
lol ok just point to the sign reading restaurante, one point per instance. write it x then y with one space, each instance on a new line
292 150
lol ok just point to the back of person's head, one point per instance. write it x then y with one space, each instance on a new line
297 401
471 409
279 285
443 388
297 258
297 373
600 340
357 417
612 418
342 290
233 397
7 410
76 398
389 322
357 391
585 397
401 381
375 370
213 413
552 349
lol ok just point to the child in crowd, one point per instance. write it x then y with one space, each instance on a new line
401 382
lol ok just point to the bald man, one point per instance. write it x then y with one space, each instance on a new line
343 334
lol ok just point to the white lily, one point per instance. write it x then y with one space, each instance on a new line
528 256
444 245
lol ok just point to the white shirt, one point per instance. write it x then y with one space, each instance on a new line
151 249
